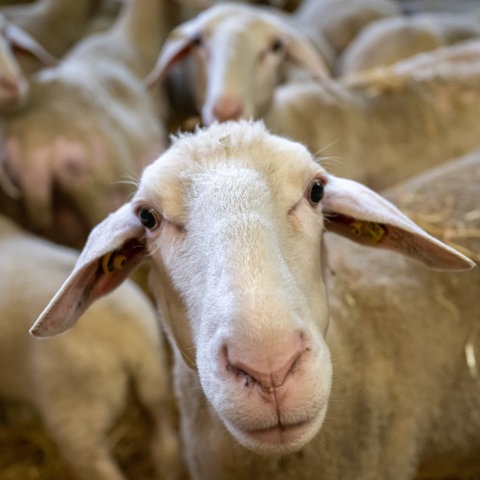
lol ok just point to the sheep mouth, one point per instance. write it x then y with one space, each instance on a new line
280 438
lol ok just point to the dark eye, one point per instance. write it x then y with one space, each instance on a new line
148 218
316 192
196 41
277 45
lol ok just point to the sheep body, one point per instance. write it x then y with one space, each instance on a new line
90 125
415 6
392 39
232 221
340 21
391 123
80 382
55 24
424 320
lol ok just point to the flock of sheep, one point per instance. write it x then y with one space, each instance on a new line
309 233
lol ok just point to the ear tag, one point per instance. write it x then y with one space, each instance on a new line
371 230
112 261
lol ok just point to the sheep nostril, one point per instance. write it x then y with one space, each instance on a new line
240 373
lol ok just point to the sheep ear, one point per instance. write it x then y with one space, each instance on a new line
358 213
301 52
23 41
177 46
7 184
113 249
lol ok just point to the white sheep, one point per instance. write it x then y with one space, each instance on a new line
384 125
270 384
389 40
14 85
81 382
238 55
89 127
452 6
379 128
340 21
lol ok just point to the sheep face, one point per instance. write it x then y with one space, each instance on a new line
240 55
231 219
236 84
238 251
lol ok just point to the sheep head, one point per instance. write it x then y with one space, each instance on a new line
240 55
231 219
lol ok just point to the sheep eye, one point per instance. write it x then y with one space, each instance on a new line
147 218
196 41
277 45
316 192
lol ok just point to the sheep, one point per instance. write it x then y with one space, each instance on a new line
239 54
55 24
415 6
387 124
444 201
89 127
14 85
392 112
389 40
79 382
269 383
340 21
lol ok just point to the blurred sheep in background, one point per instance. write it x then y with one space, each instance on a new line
89 126
389 40
80 382
237 55
14 71
339 21
379 128
56 24
384 125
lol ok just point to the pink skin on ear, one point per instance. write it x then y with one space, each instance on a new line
21 40
114 248
175 49
358 213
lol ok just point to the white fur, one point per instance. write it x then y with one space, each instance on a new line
378 129
387 124
55 24
81 382
389 40
339 21
234 237
90 127
234 68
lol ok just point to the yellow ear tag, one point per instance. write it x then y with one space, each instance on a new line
373 231
113 261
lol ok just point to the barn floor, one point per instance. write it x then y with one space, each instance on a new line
27 453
